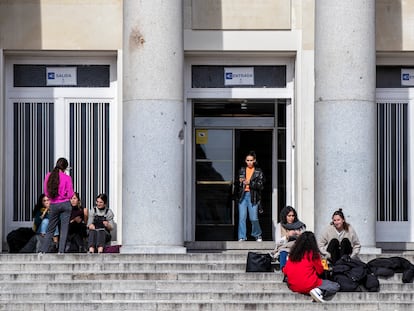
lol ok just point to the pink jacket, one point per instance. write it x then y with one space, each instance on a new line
65 191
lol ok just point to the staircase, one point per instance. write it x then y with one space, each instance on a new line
193 281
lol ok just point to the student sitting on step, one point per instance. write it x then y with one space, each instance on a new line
338 239
77 232
303 269
41 218
100 225
286 232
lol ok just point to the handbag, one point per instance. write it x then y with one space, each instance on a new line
112 248
257 262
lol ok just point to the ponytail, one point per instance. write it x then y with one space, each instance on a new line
53 181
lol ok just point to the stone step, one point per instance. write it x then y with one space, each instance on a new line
239 256
205 275
201 281
234 296
81 257
205 305
160 285
143 275
122 266
190 261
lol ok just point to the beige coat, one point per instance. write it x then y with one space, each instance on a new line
330 233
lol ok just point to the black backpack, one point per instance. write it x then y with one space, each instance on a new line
98 220
18 238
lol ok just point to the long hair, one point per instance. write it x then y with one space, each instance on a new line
285 211
305 243
341 214
39 204
76 194
53 181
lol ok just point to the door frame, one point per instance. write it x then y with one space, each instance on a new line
61 97
236 59
189 168
233 127
387 231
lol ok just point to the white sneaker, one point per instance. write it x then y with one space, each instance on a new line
316 294
242 240
259 239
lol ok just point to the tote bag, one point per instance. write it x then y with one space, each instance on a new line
257 262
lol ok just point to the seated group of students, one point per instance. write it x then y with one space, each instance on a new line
88 231
300 254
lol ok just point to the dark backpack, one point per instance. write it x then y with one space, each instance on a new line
18 238
98 220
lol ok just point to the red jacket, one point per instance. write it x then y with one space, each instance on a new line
302 276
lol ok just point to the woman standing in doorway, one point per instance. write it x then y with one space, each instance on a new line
251 180
59 189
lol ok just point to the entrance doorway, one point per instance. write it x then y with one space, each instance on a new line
261 141
223 134
45 121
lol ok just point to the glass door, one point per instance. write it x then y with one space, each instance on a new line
261 141
219 155
214 180
224 132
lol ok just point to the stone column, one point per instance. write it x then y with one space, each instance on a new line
345 115
153 112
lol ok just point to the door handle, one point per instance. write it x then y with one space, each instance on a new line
218 182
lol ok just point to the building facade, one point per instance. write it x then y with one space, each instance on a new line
156 103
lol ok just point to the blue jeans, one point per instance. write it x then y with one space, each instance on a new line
329 288
246 206
283 255
43 227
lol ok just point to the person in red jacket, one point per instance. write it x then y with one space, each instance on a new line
304 267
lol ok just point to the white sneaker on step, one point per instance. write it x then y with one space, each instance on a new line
316 294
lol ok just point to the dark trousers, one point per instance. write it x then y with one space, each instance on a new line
33 245
337 250
58 211
98 238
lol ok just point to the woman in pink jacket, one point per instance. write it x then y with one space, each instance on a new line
59 189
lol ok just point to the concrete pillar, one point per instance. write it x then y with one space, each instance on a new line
153 111
345 115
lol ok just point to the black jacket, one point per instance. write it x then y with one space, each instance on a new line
256 185
351 273
386 267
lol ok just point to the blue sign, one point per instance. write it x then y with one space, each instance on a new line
61 76
238 76
407 76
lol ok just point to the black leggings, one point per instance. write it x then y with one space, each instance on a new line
337 250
